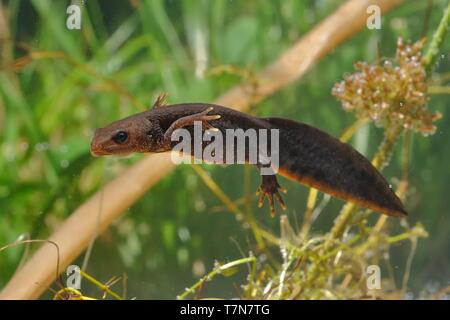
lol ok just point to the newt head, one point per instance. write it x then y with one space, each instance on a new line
132 134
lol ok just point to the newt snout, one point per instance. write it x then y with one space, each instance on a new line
97 144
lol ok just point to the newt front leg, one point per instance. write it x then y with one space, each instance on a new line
187 121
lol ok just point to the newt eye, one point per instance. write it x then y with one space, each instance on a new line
120 137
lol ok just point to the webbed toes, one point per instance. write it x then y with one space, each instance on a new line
269 190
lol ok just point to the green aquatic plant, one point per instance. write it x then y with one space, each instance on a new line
391 92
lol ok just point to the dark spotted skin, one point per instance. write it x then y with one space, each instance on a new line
307 155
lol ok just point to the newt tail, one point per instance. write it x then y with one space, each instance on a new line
316 159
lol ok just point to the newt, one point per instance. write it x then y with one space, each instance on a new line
306 154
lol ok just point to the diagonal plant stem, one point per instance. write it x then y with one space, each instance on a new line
212 185
438 90
217 270
437 40
102 286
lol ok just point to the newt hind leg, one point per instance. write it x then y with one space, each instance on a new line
268 188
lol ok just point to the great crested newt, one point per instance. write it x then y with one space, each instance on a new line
306 154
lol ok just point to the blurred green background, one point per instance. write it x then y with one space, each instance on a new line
126 53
